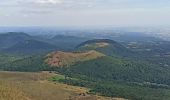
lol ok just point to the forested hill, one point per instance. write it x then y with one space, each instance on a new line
106 46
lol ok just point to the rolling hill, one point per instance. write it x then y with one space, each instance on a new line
98 64
30 47
113 68
93 65
105 46
9 39
22 43
61 59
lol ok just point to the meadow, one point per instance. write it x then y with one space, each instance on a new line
36 86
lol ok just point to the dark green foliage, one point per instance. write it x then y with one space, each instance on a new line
121 89
98 41
131 92
30 47
34 63
8 58
115 77
110 68
114 48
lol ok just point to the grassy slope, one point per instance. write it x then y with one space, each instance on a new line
95 45
37 63
60 59
36 87
10 92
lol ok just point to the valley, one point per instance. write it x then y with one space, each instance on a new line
82 68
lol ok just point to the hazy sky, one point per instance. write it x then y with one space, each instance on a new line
84 12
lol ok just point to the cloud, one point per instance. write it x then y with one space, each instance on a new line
53 6
86 4
84 12
40 2
48 1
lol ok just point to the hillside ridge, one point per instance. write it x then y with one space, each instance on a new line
60 58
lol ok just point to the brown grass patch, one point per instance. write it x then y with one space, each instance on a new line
8 91
97 45
34 86
24 76
60 59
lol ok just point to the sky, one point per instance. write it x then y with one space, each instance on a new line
85 13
